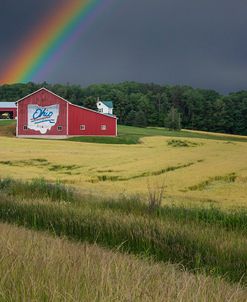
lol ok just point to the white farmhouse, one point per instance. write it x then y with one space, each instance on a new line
105 107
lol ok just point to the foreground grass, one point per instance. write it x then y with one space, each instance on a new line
36 267
202 240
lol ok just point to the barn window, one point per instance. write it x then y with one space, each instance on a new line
59 128
25 127
103 127
101 110
82 127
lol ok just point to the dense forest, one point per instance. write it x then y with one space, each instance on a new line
152 105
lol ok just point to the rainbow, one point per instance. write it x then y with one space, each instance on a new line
47 43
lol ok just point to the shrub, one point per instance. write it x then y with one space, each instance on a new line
155 194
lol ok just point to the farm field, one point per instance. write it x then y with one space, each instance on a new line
93 232
194 170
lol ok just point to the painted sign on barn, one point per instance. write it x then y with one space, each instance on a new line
42 119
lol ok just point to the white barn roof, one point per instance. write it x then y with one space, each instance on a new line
7 105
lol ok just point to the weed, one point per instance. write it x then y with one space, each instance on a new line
182 143
229 178
155 194
63 167
107 177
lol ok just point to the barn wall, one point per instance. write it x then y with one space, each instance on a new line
42 98
92 121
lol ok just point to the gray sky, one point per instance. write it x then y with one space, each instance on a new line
201 43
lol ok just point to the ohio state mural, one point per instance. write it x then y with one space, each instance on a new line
42 119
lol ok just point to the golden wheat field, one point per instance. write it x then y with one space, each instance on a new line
205 172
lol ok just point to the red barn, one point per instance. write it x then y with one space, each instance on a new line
47 115
8 108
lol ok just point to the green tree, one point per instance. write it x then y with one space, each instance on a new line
173 119
130 119
140 119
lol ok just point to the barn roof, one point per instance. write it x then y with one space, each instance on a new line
7 105
43 88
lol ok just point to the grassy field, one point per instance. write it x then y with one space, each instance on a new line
195 170
132 135
97 194
208 241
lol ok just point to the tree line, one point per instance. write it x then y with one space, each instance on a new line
144 105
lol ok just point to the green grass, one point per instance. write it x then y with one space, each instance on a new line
37 188
132 135
122 138
7 122
205 240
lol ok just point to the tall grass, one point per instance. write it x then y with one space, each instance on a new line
36 267
37 188
201 239
196 247
232 220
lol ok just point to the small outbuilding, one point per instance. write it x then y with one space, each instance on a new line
105 107
44 114
8 110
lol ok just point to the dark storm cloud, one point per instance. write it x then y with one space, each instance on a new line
195 42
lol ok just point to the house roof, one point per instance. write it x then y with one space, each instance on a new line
109 104
7 105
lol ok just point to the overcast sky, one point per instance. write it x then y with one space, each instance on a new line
202 43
